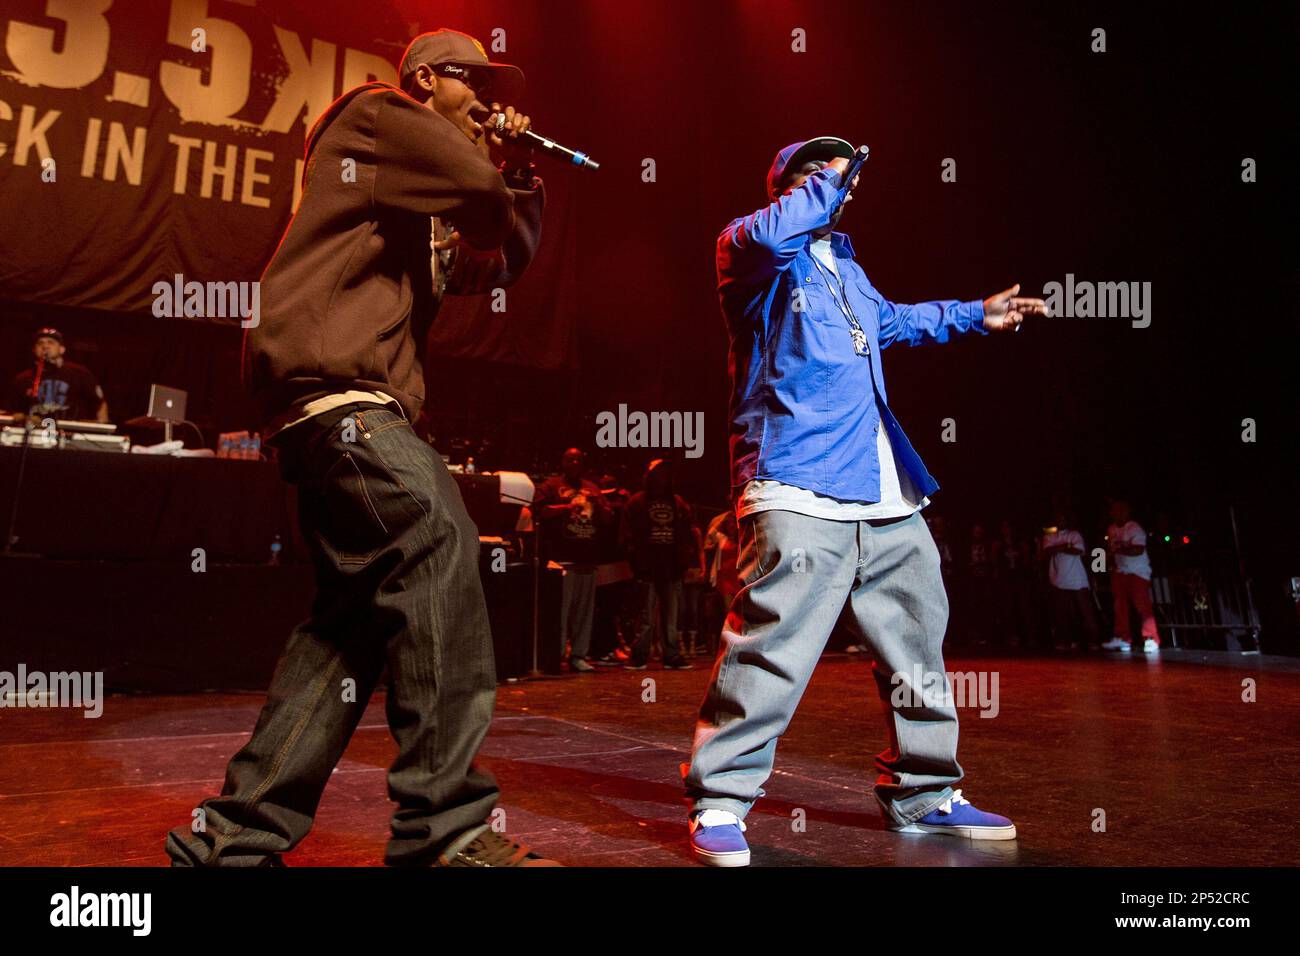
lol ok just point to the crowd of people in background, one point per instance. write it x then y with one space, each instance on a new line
1047 590
649 576
634 567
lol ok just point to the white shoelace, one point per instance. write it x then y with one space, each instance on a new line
956 797
716 818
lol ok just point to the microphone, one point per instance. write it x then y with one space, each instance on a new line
36 378
855 164
550 147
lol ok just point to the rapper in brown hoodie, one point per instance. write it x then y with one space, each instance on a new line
350 294
401 203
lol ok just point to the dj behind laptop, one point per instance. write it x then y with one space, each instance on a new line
165 413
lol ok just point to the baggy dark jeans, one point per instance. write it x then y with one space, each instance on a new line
397 583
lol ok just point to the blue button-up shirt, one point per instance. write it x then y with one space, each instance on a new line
805 406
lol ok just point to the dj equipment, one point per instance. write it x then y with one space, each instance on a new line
62 433
91 441
524 601
167 405
494 501
63 424
13 436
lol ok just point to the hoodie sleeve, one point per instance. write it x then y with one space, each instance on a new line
425 166
509 263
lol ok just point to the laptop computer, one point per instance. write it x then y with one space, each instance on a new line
167 404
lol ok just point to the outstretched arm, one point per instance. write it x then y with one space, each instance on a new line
935 322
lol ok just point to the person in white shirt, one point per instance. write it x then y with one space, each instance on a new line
1130 580
1071 597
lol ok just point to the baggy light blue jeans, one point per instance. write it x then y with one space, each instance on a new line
798 574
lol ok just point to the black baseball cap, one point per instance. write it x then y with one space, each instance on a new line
796 154
48 333
458 49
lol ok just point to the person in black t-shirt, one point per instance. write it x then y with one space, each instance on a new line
572 511
662 543
56 387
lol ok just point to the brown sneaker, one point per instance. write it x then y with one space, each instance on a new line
483 846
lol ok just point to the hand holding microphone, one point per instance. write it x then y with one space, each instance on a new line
504 129
849 169
509 131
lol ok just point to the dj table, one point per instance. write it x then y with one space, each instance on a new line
122 507
114 536
115 507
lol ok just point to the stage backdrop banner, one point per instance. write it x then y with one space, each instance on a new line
145 140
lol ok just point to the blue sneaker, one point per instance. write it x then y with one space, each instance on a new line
717 839
957 816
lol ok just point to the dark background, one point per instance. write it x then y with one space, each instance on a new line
1118 166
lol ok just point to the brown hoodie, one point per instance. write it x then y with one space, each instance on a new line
349 296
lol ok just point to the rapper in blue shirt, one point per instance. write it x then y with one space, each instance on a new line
828 495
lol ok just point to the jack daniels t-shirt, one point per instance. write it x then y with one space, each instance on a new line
67 391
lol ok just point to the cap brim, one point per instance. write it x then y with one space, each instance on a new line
822 147
507 82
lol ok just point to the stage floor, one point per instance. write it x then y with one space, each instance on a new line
1185 771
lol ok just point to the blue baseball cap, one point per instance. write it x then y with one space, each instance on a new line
796 154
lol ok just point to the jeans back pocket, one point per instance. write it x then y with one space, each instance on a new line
347 520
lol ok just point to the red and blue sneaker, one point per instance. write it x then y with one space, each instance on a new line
958 817
718 839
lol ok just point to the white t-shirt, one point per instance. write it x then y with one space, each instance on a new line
898 496
1128 534
1066 571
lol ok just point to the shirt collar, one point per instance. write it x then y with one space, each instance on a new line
840 245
